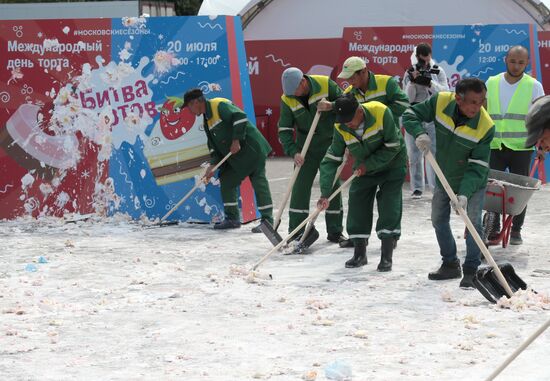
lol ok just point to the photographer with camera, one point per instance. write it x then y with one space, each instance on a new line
422 80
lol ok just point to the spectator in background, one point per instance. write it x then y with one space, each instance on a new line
423 79
509 97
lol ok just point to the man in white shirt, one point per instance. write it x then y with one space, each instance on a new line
422 80
509 97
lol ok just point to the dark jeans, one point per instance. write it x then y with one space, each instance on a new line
441 215
516 162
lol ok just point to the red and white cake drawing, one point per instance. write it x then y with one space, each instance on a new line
176 146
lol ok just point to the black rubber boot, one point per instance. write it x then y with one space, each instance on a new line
386 254
359 255
468 278
448 270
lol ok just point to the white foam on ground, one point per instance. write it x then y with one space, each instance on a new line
118 300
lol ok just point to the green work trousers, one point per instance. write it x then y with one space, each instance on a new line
301 194
386 186
229 182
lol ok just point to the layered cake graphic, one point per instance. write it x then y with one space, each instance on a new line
176 147
24 140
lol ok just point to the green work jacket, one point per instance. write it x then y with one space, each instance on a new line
462 149
226 122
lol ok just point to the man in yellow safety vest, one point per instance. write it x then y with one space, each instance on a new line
509 97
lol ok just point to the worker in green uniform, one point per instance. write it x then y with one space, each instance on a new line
367 86
301 95
229 130
464 131
370 134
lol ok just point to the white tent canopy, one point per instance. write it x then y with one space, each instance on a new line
290 19
225 7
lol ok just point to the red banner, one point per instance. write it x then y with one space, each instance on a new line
544 54
266 62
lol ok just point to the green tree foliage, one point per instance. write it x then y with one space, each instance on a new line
187 7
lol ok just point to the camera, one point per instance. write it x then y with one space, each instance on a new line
425 71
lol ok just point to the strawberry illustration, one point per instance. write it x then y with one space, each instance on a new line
175 121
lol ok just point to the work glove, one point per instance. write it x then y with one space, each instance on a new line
462 202
424 143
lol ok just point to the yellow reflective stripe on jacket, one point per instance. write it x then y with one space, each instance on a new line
466 132
376 109
348 138
215 119
292 103
380 91
322 81
510 129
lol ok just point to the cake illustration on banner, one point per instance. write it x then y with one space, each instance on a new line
176 147
25 141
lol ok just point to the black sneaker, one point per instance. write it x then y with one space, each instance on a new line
417 194
228 224
468 278
515 238
448 270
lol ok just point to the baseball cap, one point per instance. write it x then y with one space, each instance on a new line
537 120
345 107
190 95
291 79
351 65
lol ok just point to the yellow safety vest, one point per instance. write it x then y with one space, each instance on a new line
381 82
473 135
376 109
215 119
295 105
510 128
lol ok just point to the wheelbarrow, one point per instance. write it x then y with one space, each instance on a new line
507 194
